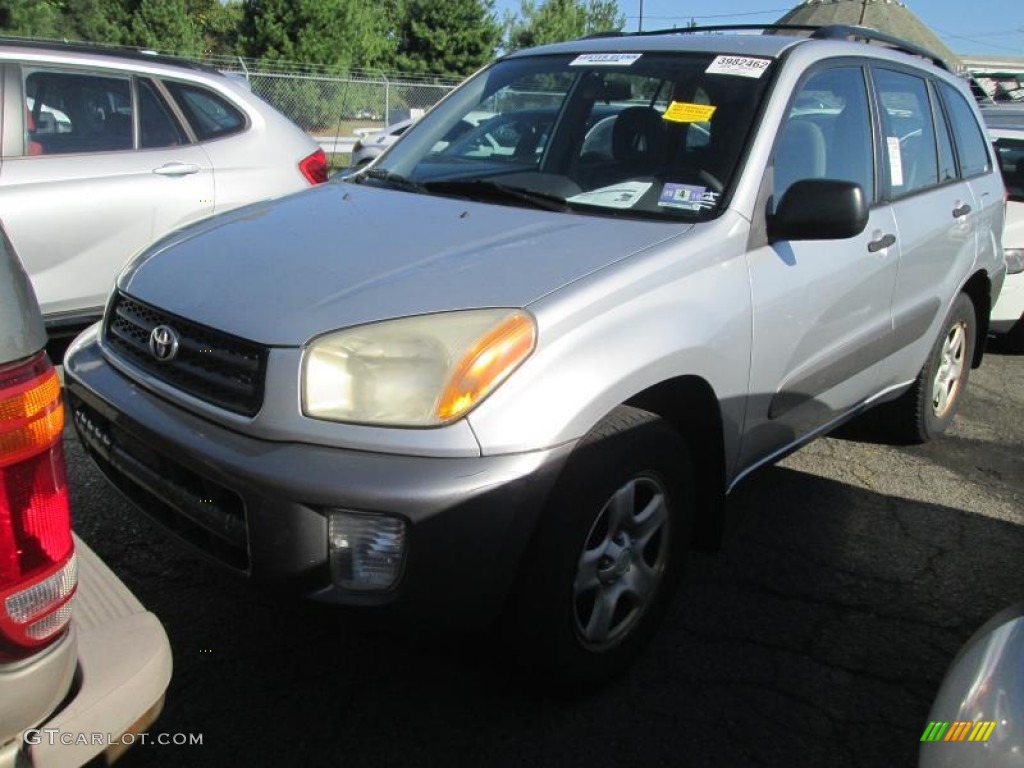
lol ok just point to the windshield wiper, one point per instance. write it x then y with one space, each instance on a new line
487 190
388 178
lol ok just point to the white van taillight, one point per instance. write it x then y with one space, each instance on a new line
38 577
314 167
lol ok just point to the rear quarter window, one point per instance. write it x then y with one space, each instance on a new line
210 115
970 141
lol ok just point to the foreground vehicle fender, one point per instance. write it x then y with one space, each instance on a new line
977 719
124 667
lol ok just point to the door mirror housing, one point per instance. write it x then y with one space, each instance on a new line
819 209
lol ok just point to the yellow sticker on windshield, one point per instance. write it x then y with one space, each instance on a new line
683 112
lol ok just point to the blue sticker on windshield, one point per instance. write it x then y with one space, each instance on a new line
687 197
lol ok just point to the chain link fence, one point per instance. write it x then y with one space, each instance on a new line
323 103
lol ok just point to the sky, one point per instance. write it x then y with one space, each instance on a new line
991 27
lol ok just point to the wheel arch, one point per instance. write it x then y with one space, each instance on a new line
690 405
979 290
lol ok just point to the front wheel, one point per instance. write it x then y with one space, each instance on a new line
607 555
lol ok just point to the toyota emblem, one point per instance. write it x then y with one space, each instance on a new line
163 343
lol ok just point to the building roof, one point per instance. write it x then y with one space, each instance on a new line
886 15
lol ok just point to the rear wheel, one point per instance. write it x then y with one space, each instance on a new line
928 407
607 555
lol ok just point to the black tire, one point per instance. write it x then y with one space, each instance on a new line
557 625
923 412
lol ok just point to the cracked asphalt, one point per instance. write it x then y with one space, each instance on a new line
850 575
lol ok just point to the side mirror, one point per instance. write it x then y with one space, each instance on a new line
819 209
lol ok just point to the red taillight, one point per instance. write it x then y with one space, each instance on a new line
37 565
314 167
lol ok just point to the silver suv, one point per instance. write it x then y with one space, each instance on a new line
521 369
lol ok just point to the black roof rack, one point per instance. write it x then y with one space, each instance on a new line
136 54
818 32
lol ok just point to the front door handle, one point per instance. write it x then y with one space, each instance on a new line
176 169
961 210
883 242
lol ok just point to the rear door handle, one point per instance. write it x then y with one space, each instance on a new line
176 169
963 210
883 242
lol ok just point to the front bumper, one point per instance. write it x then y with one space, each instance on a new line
259 507
1009 309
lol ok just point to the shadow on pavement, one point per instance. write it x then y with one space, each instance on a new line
818 636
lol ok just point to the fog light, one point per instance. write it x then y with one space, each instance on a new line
366 551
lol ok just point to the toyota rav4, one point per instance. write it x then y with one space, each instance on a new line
522 372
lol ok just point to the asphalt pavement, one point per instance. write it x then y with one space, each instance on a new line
850 575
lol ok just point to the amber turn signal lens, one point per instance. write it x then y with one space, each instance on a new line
487 364
31 416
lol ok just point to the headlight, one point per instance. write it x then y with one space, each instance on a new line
1014 260
417 371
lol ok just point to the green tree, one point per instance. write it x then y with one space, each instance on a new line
222 24
452 38
30 18
96 21
556 20
344 34
169 25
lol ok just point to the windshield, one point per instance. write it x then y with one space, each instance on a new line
646 135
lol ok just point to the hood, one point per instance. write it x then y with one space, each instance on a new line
339 255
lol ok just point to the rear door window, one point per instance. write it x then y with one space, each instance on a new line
908 132
157 126
210 115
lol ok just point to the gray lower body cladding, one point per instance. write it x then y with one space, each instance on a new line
260 507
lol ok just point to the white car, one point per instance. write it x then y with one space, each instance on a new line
83 665
104 151
370 146
1006 129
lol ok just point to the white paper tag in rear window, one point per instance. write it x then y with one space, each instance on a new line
741 66
892 143
604 59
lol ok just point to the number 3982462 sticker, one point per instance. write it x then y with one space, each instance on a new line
740 66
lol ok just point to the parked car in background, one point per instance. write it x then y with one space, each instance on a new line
78 653
529 373
1006 129
371 145
102 151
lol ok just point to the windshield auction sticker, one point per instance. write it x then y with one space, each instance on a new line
604 59
624 195
683 112
741 66
687 196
